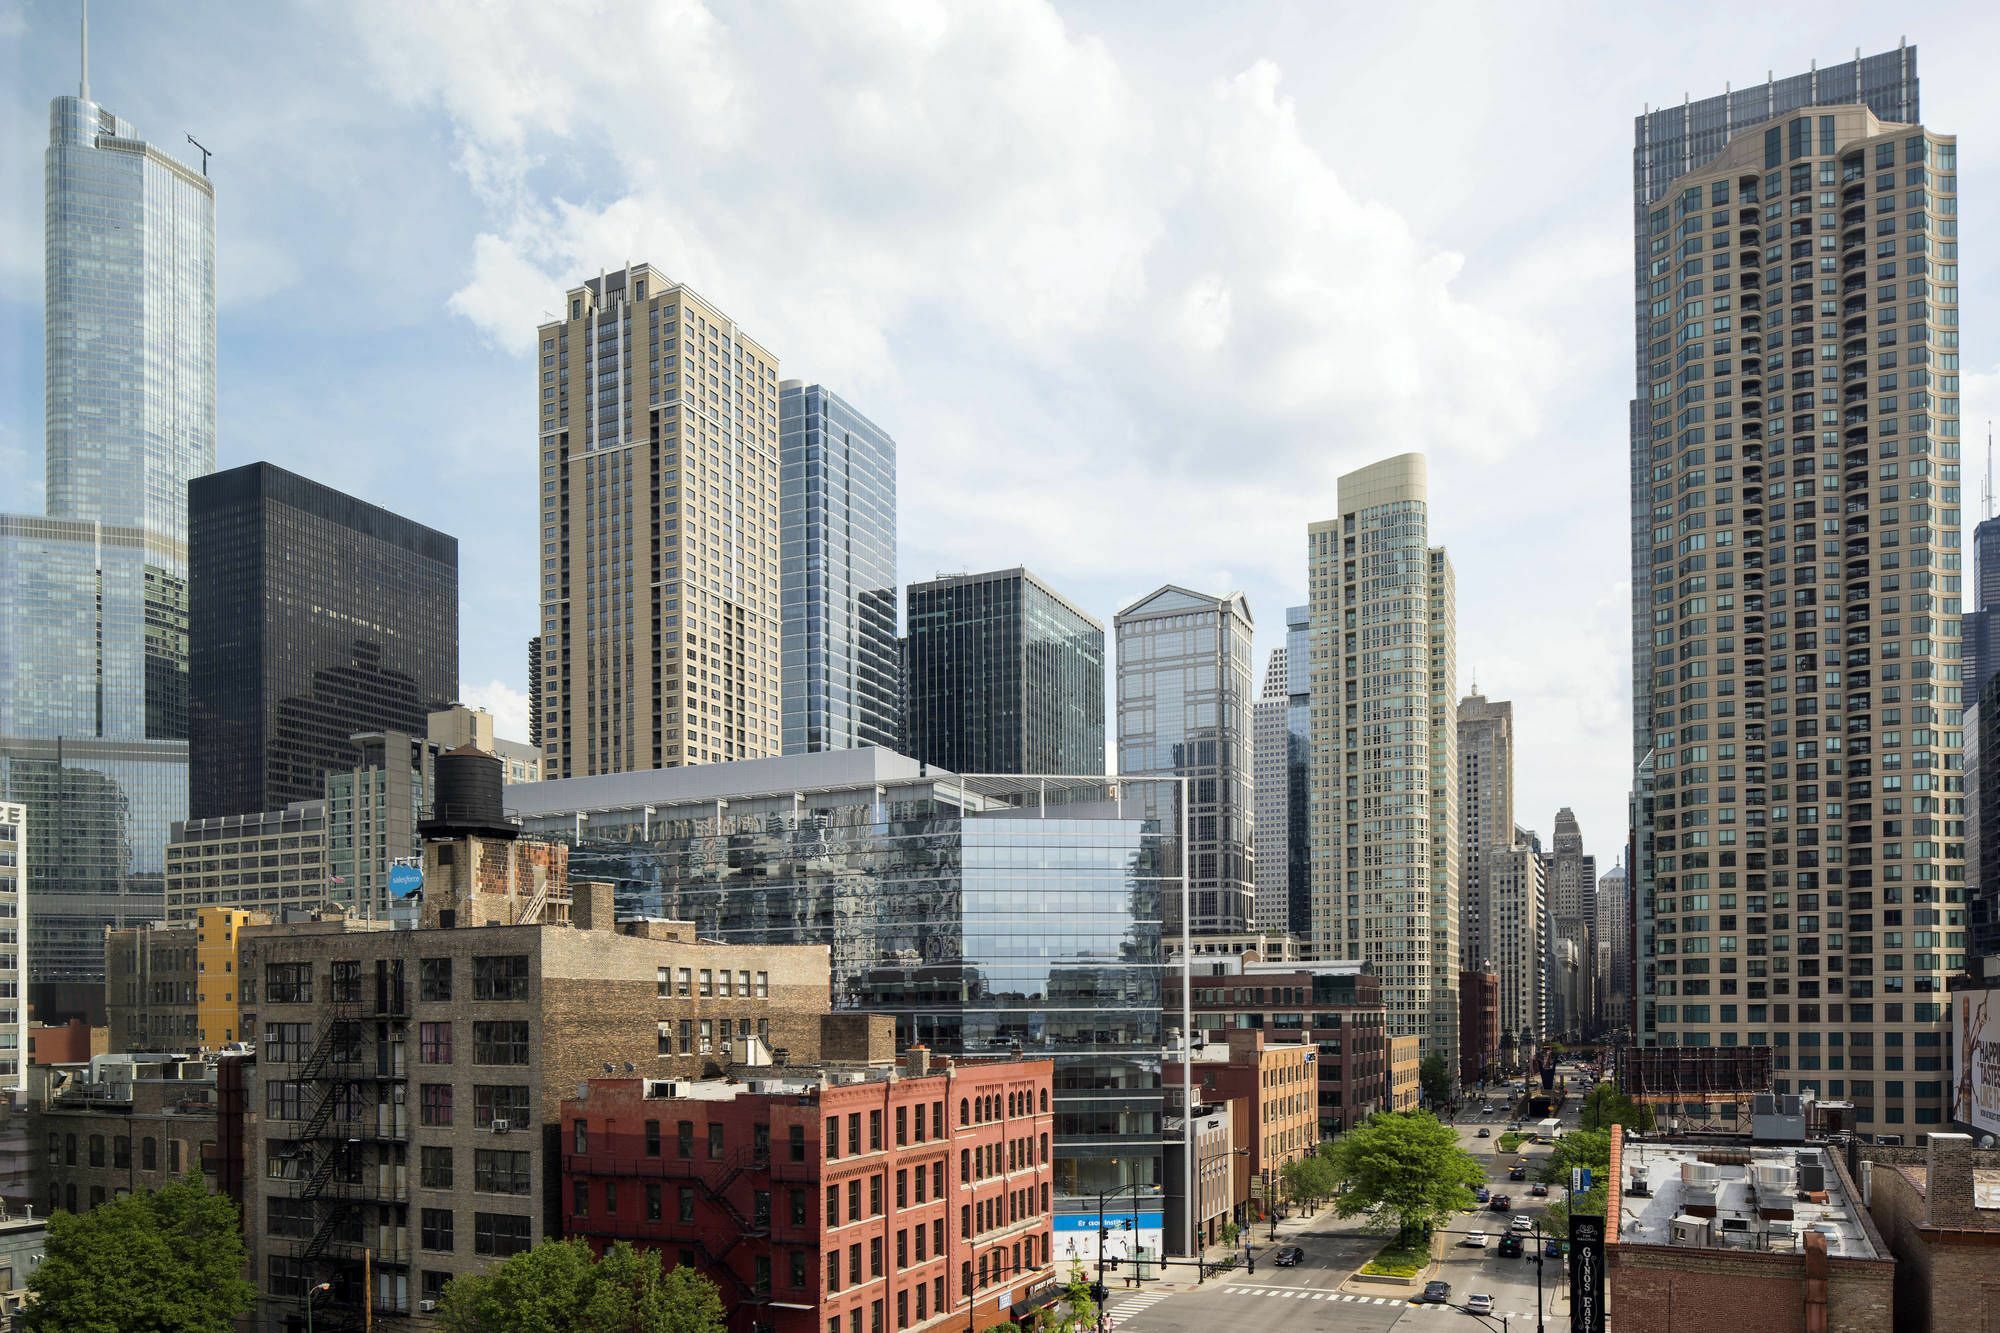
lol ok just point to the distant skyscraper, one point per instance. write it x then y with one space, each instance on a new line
315 616
1981 631
1270 764
1832 231
1614 948
1485 816
535 691
1284 777
659 531
1184 711
1002 675
1514 881
842 669
1384 733
93 597
1572 879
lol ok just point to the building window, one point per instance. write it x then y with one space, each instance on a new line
434 1043
434 979
287 1043
763 985
500 1171
508 1102
288 983
795 1142
715 1141
435 1229
652 1203
579 1197
500 1043
435 1103
500 1234
652 1138
580 1135
686 1203
284 1099
436 1168
504 977
346 981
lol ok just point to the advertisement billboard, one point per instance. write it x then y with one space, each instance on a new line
1975 1059
1126 1234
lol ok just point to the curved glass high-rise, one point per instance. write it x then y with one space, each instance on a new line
93 663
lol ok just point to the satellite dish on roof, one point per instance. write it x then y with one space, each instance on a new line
1986 1140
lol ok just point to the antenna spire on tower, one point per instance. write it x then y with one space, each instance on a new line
1986 490
83 86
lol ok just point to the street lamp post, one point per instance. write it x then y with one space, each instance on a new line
1101 1197
312 1294
972 1293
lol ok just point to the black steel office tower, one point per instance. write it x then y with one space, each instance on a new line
313 616
1002 675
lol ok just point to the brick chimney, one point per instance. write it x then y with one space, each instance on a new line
917 1061
1948 1182
592 906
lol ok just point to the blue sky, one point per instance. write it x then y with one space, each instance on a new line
1131 285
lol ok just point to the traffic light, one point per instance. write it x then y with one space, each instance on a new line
1115 1260
1098 1292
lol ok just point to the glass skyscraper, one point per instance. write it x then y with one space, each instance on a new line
93 663
988 915
1002 675
316 617
842 667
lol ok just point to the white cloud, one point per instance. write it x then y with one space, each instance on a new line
508 705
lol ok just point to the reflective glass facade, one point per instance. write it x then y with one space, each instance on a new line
842 667
316 617
1184 711
951 903
1002 675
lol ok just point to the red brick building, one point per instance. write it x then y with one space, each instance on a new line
868 1202
1478 1027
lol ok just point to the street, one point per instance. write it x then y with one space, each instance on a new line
1311 1296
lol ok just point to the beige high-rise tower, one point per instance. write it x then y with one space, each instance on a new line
1803 682
1384 743
1485 816
659 532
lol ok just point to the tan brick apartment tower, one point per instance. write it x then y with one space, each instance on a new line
1385 854
659 531
1802 674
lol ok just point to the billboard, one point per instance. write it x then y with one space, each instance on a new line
1126 1233
1586 1273
1975 1059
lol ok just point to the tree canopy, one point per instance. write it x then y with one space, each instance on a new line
168 1260
1310 1177
560 1287
1605 1106
1434 1077
1409 1167
1588 1148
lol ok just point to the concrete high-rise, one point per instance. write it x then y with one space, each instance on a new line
1485 815
1002 674
659 531
93 595
1612 931
1800 670
1384 742
1572 881
1268 774
842 667
315 616
1517 924
1184 711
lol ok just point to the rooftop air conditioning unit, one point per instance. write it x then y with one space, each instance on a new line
427 1307
502 1126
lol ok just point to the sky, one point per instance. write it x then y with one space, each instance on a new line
1131 285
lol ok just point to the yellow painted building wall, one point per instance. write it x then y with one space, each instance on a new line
216 1010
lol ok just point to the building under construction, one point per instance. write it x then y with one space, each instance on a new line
1695 1087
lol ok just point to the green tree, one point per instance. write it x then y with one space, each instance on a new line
1589 1148
560 1287
1076 1312
1434 1077
1308 1179
1408 1168
166 1260
1604 1106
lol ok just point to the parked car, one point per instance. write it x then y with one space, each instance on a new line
1478 1303
1553 1248
1435 1293
1481 1193
1510 1246
1475 1240
1290 1256
1501 1203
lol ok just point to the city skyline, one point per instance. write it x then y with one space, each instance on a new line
389 309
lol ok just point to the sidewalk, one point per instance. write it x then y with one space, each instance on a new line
1180 1276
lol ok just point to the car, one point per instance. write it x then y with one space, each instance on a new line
1510 1246
1475 1240
1500 1203
1517 1173
1290 1256
1435 1293
1539 1190
1478 1303
1553 1248
1484 1133
1481 1193
1513 1126
1522 1223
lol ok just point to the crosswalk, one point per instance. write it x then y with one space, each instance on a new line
1124 1306
1130 1303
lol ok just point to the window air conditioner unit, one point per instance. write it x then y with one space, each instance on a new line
502 1126
427 1307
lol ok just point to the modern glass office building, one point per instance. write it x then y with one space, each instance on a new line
987 914
842 667
93 659
1184 711
316 617
1002 675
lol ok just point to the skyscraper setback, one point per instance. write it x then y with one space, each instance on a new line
1796 576
1385 792
93 659
659 531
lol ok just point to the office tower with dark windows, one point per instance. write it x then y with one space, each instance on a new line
1184 711
1572 881
93 593
1385 855
316 617
1002 675
842 667
1801 595
1283 770
1981 635
659 494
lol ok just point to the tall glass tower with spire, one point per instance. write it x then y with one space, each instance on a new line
93 664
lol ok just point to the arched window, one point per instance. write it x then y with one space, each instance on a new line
1045 1100
965 1163
964 1112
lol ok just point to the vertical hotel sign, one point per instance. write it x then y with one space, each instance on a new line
1586 1272
1975 1044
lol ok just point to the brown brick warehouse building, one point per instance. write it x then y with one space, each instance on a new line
844 1202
